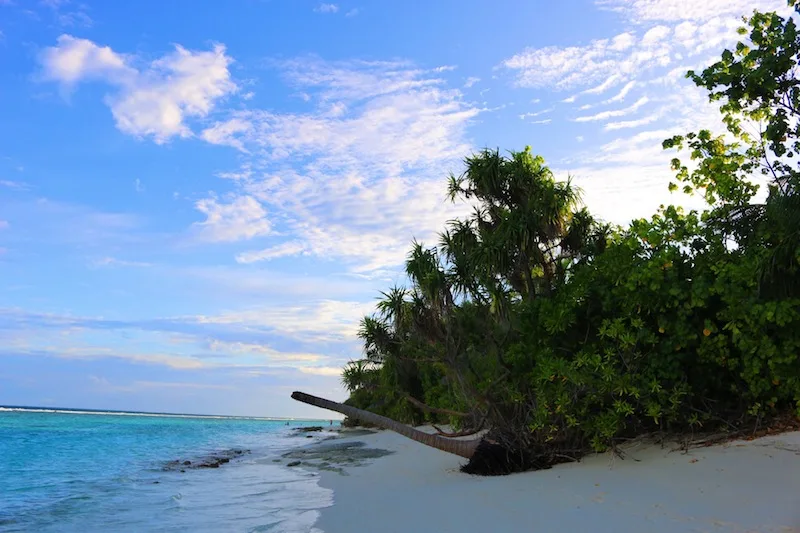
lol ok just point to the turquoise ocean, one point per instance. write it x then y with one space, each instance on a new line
86 471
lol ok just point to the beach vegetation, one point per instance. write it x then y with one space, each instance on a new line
562 334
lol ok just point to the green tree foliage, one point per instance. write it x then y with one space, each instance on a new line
565 335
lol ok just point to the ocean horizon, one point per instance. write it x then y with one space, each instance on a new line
111 412
68 469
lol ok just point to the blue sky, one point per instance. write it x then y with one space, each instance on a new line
199 200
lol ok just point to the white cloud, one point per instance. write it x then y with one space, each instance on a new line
322 370
543 121
352 13
286 249
225 133
137 185
318 321
611 126
676 10
264 351
4 224
615 113
472 80
655 35
623 41
243 218
326 8
112 262
153 102
631 55
603 87
576 66
622 93
356 80
74 59
627 176
363 173
536 113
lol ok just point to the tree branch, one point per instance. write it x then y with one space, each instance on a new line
427 408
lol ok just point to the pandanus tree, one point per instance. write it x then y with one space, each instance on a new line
525 232
526 226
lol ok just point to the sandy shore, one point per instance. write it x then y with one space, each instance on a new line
737 487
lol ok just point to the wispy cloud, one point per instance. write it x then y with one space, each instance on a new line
322 321
242 218
68 13
15 185
622 93
155 102
326 8
361 175
138 386
628 176
604 86
614 113
611 126
642 11
114 262
286 249
322 370
687 32
472 80
536 113
233 339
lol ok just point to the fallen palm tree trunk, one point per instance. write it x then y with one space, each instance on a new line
462 448
493 454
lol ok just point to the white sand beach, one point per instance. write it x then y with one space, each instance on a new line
736 487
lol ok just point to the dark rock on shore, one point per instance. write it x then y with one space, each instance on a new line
334 456
309 429
214 460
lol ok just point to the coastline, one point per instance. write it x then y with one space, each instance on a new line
739 486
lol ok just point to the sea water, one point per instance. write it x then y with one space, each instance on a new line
67 470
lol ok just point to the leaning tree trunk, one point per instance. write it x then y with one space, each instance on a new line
462 448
